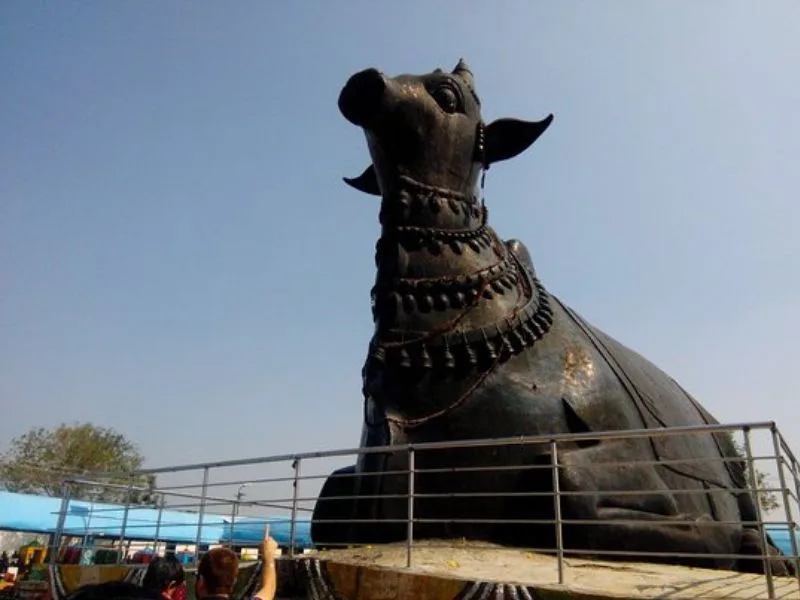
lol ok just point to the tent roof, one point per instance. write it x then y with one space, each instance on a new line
250 531
781 535
39 514
27 512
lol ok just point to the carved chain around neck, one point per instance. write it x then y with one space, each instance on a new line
448 293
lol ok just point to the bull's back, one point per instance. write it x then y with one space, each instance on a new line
661 402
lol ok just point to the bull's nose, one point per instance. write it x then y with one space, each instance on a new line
361 96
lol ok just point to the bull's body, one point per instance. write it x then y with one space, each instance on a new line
563 376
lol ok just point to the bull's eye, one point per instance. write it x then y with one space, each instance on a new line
446 97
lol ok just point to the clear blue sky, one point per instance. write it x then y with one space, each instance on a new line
181 261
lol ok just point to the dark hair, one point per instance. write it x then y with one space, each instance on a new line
162 571
219 569
114 590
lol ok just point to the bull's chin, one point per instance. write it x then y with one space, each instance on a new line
406 180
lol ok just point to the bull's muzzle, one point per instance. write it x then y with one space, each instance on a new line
361 98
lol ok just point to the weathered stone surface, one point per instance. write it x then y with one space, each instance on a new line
441 571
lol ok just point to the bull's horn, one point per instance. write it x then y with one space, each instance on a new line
367 182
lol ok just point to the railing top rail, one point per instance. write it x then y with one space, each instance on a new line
537 439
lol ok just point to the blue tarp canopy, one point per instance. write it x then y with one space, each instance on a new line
249 531
39 514
782 538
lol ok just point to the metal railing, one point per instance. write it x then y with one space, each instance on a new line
283 490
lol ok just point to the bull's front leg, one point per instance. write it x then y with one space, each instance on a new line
330 521
349 502
649 521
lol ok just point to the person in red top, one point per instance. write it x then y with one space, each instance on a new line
165 575
181 592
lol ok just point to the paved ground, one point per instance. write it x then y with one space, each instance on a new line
582 578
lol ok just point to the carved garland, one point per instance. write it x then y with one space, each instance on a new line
415 238
446 347
413 197
443 293
476 348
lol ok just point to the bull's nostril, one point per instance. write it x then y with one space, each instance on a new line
361 96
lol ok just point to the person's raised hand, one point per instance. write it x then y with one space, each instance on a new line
269 552
269 547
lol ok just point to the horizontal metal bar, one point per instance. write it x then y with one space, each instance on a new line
462 444
284 502
474 545
676 461
108 484
593 522
236 482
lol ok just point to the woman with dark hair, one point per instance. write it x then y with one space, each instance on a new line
164 576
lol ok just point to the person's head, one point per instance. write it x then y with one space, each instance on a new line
216 573
113 590
164 575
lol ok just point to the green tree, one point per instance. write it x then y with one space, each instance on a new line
769 500
38 462
761 486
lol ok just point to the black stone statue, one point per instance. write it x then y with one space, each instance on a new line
468 344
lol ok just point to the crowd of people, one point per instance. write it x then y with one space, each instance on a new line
165 579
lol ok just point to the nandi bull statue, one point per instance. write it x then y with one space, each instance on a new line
468 344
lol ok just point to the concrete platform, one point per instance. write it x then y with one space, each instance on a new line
475 572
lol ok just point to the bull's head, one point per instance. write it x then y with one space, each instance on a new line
428 128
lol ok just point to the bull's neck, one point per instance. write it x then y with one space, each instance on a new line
447 290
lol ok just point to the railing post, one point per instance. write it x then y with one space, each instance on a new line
790 524
158 524
125 522
201 513
234 510
88 524
62 518
795 471
410 522
295 488
557 511
751 470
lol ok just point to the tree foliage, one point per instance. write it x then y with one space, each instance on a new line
761 485
39 462
769 500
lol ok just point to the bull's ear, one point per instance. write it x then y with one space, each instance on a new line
506 138
367 182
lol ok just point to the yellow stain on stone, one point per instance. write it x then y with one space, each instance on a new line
578 366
